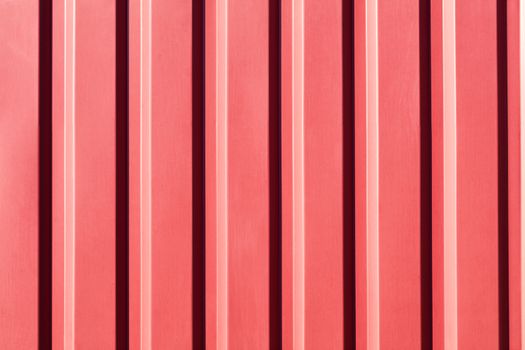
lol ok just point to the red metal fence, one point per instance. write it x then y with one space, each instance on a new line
253 174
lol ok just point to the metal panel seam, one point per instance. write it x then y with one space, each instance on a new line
522 157
222 173
298 230
372 174
145 174
69 173
449 176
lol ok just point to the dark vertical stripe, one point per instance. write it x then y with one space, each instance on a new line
198 178
503 195
349 315
274 148
122 176
45 151
425 159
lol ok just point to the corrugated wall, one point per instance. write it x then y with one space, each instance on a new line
254 174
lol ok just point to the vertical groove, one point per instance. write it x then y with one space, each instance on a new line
372 175
69 173
122 176
275 185
449 177
425 154
222 173
198 178
145 174
298 239
522 160
45 165
349 299
503 210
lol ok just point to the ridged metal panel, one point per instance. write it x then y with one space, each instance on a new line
19 175
297 174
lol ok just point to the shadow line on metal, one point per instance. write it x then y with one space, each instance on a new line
349 283
503 193
425 157
198 177
122 174
45 178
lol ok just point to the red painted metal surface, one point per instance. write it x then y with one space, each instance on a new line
84 174
19 175
227 174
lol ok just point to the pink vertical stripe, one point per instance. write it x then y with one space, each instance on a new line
372 175
298 239
69 174
522 155
211 95
514 172
222 173
449 177
135 174
145 173
287 177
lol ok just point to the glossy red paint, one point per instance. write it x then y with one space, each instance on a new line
161 175
84 175
19 174
297 174
477 87
514 173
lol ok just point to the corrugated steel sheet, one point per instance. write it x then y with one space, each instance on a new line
253 174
